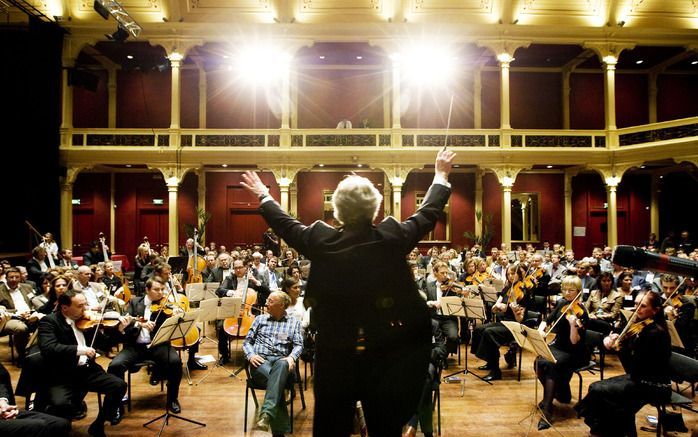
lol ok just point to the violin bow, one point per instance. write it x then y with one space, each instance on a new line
668 299
101 317
563 314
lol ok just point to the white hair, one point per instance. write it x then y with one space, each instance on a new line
355 201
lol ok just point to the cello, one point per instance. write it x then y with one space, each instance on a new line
238 327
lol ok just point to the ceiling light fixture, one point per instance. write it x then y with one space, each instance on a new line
639 61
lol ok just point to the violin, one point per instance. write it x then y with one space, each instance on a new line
532 280
90 319
632 332
178 305
516 292
454 287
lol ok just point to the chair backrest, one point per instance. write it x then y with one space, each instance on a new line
594 339
683 368
532 319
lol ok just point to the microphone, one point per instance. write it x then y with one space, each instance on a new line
631 256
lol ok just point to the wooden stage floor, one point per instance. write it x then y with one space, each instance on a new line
219 402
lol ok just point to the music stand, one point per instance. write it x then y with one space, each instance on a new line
178 263
199 291
218 309
534 341
472 310
173 328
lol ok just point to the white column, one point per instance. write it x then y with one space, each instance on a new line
396 184
284 185
568 209
654 205
173 230
67 215
203 96
506 214
111 92
66 107
652 97
175 63
477 98
610 91
612 213
478 202
504 61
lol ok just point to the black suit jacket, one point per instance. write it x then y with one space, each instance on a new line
231 283
360 278
58 343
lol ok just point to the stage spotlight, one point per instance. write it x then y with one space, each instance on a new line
101 10
119 36
429 65
262 65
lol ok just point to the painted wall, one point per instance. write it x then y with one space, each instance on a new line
189 98
143 99
536 100
586 101
677 96
631 100
233 104
91 108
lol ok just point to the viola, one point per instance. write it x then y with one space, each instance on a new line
178 305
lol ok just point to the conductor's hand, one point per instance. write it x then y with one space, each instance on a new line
257 360
253 185
444 161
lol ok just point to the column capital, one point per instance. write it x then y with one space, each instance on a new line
608 51
71 174
507 175
176 49
504 49
174 175
286 174
612 174
72 46
397 174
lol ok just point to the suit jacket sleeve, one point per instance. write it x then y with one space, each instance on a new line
299 236
6 385
52 350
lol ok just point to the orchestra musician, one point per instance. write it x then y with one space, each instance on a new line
37 264
375 320
173 291
14 422
568 321
223 271
511 305
235 285
73 366
679 309
16 297
441 287
95 292
610 405
50 245
94 254
144 321
109 278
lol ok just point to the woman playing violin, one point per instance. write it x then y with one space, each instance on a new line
644 350
468 276
511 305
481 273
568 321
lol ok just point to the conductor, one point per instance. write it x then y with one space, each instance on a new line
374 330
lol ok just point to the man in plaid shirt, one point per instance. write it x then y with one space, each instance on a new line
272 346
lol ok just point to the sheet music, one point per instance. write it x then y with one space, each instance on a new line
219 308
474 309
452 306
175 327
489 293
200 291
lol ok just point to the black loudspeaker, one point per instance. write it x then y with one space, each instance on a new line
83 79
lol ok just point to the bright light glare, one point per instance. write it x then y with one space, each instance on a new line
429 65
262 65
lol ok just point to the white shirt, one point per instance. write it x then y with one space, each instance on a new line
19 302
82 346
91 295
144 334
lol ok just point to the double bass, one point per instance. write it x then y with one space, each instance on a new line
195 264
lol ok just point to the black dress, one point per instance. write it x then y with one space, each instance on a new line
610 405
569 356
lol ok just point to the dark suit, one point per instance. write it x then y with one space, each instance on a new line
70 382
34 269
231 283
166 358
216 275
28 423
447 324
374 329
19 328
267 281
